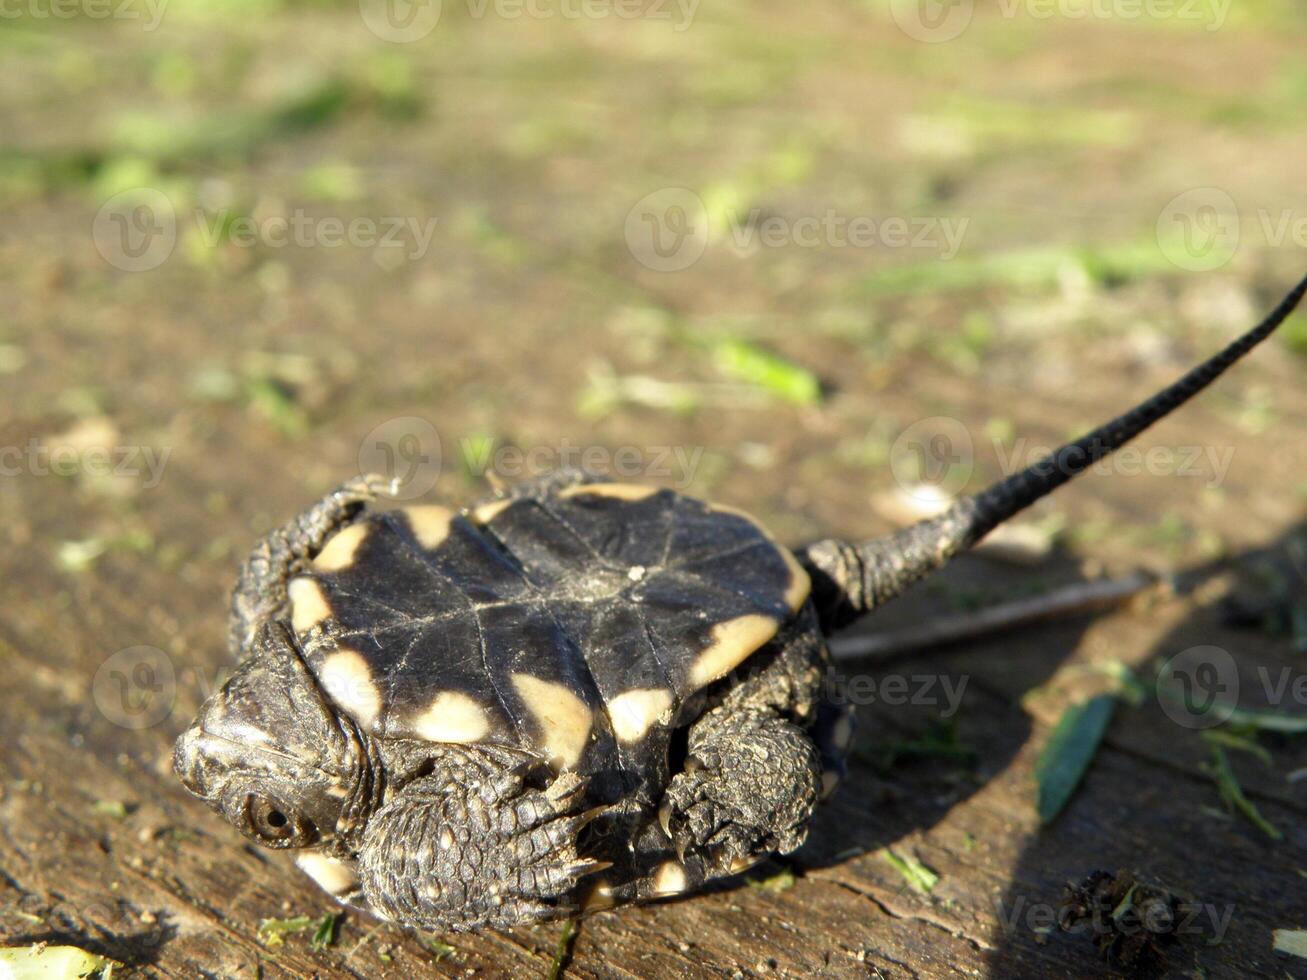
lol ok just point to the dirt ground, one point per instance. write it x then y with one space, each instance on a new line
257 245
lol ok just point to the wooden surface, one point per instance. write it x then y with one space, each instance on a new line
261 370
170 890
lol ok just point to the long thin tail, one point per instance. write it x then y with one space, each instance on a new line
850 580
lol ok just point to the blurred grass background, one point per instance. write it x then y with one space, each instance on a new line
526 134
1069 146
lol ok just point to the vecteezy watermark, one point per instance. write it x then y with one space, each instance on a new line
934 458
674 465
146 463
405 21
115 916
936 21
137 230
1208 463
1200 687
302 230
149 11
136 688
400 21
896 690
1181 919
1202 228
407 451
669 230
1199 230
932 21
831 229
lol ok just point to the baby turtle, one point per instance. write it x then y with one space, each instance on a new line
574 695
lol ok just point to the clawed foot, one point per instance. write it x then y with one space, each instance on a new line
743 795
452 854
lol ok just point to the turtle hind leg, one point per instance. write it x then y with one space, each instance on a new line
479 842
755 762
260 592
750 784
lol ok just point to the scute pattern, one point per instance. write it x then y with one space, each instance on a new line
533 617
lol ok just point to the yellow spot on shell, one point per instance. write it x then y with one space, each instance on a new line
564 719
618 491
429 524
335 877
732 643
488 512
742 863
738 512
633 713
308 604
796 593
452 717
599 898
842 732
338 553
800 585
347 678
669 879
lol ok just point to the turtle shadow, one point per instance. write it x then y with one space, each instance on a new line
1147 808
936 727
915 759
1152 809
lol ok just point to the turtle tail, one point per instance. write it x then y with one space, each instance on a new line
850 580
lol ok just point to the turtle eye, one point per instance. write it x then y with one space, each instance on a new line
273 822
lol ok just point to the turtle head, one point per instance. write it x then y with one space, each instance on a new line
268 752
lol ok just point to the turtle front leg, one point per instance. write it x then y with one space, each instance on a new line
260 592
481 841
748 789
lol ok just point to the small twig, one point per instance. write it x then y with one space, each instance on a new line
1067 601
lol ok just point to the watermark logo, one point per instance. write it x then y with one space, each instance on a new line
135 688
670 229
95 460
1173 918
1199 230
1207 462
150 12
405 449
302 230
405 21
935 21
932 21
1199 687
932 459
940 691
400 21
136 230
831 229
674 465
667 231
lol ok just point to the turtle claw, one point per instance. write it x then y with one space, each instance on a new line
665 818
484 859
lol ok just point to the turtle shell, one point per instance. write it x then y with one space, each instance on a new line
582 624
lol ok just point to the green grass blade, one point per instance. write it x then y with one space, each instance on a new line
1069 752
